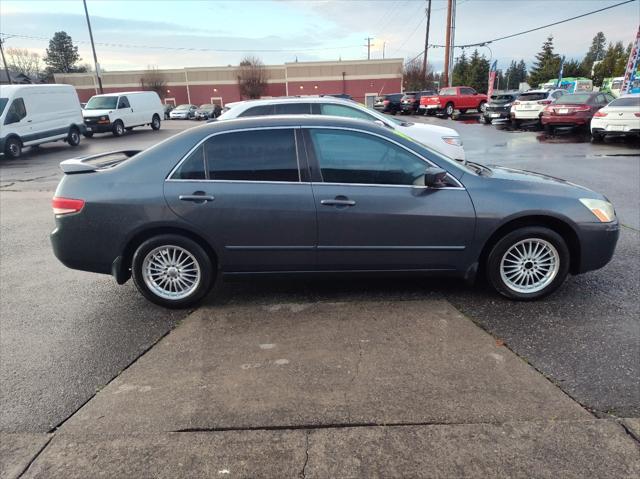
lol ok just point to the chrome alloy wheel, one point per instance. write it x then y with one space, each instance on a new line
529 265
171 272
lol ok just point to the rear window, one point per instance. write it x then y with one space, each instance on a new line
261 110
577 99
395 97
502 97
408 96
533 96
626 101
447 92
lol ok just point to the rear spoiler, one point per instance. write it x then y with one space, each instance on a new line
84 165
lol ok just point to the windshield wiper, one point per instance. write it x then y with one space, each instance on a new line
478 167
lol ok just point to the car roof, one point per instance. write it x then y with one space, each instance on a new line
295 99
268 121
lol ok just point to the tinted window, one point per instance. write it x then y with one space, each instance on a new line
467 91
193 167
447 92
258 155
293 109
577 99
258 111
16 112
532 96
123 102
627 101
394 97
609 97
353 157
3 103
341 110
557 94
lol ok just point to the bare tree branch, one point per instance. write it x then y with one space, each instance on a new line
23 61
153 80
252 77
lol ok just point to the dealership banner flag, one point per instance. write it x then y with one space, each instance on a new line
492 78
560 73
632 65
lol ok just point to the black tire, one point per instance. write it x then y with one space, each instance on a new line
494 260
13 148
88 134
481 106
118 128
129 128
73 138
448 110
486 121
204 262
155 123
596 137
549 130
515 123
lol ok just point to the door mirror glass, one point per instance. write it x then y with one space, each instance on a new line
434 177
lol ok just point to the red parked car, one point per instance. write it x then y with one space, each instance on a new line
461 98
574 110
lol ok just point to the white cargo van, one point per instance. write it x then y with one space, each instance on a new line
34 114
119 112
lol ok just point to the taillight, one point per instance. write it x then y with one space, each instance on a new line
65 206
636 114
583 108
600 114
385 102
544 102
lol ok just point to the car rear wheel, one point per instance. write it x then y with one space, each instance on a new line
118 128
528 263
88 134
486 120
482 106
73 138
515 123
596 137
155 123
448 110
13 148
172 271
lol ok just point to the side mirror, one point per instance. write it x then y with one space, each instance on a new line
434 177
475 92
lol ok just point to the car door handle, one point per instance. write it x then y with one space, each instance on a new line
337 202
197 198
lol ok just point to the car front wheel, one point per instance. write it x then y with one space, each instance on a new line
172 271
528 263
155 123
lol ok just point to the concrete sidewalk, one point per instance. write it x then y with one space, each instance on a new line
361 389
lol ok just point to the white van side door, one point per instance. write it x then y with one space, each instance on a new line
126 113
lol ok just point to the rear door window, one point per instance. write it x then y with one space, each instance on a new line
261 110
17 111
293 109
255 155
193 167
467 91
341 110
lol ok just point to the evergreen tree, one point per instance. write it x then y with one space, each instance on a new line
522 73
572 68
62 55
478 73
510 75
546 66
460 73
613 63
596 53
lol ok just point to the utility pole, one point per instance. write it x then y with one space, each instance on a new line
4 62
447 44
453 41
93 47
426 41
368 39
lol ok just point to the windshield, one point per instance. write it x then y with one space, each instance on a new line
501 98
102 103
533 96
616 85
576 99
624 101
183 107
206 106
3 103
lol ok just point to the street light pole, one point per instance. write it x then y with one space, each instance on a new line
93 47
4 61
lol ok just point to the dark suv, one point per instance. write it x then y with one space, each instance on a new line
499 106
388 103
410 102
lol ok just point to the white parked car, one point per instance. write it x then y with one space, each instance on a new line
529 105
119 112
621 117
34 114
183 112
443 140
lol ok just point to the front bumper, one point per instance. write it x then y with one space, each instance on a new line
597 244
181 116
92 125
496 113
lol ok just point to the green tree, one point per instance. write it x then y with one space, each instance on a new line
478 76
596 53
613 63
62 55
546 66
460 73
572 68
521 73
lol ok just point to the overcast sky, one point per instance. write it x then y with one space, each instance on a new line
308 30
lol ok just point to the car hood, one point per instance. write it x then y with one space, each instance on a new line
92 113
504 173
414 129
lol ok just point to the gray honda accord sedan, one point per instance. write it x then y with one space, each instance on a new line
317 194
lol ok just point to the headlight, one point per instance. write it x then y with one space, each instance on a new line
452 140
603 210
103 118
507 105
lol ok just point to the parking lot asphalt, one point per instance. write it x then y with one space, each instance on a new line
65 334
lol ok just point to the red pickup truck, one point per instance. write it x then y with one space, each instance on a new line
461 98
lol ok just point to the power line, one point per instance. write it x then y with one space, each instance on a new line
228 50
486 42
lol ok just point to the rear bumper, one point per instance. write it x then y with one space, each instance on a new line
526 114
597 244
564 120
604 131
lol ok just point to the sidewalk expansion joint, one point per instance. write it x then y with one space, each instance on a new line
35 456
303 472
629 432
